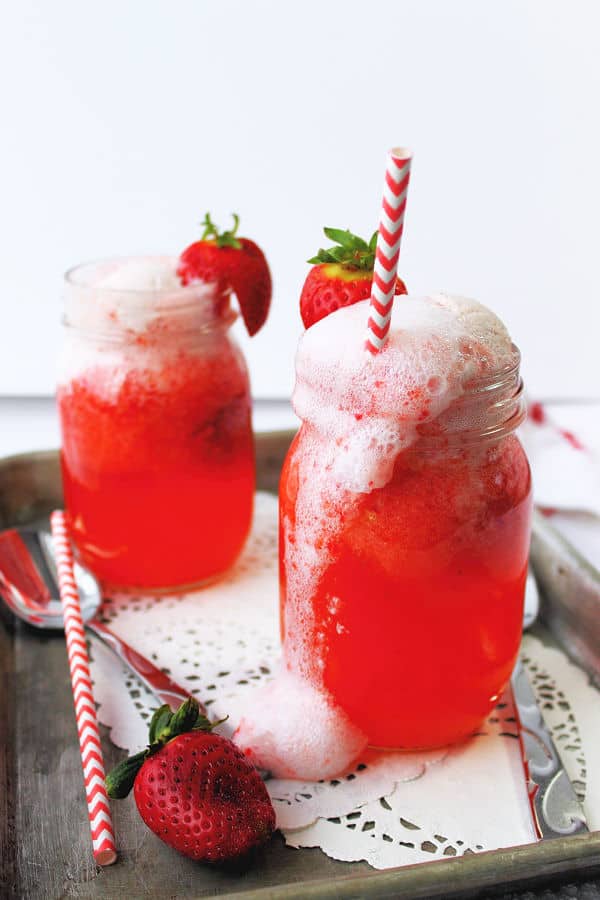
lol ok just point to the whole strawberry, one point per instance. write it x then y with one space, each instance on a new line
341 276
234 264
195 790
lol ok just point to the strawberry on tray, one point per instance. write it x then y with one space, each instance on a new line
194 789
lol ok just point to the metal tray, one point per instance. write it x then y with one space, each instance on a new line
44 839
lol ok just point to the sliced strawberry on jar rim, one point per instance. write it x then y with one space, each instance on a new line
232 263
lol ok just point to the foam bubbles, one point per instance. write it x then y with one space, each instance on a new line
371 405
295 731
127 314
140 273
360 412
111 297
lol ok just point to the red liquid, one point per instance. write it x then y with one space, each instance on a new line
426 579
159 476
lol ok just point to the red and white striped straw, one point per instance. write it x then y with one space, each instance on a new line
391 226
103 837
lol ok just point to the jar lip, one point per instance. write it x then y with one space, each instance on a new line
501 393
515 409
497 378
85 276
488 407
120 313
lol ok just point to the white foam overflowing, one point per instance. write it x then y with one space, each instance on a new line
361 411
141 273
371 405
115 296
295 731
126 314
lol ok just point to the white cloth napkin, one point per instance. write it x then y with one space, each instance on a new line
566 477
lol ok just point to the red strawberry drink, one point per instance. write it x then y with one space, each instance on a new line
405 516
154 400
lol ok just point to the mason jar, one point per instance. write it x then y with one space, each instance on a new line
404 601
157 448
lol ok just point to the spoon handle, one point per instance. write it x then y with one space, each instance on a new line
155 680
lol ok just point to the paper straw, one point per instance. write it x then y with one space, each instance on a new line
391 226
103 838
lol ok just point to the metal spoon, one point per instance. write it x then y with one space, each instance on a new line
29 587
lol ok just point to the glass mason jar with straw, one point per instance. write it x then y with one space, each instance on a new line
405 507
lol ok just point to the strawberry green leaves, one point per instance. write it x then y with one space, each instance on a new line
119 780
346 239
159 724
351 250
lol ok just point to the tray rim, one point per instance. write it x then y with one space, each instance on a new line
520 866
461 876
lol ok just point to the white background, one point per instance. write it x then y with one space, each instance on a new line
122 122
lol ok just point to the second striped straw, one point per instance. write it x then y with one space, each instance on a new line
391 226
101 827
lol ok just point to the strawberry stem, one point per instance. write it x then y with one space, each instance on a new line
164 726
227 238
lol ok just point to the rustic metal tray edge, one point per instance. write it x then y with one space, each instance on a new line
518 867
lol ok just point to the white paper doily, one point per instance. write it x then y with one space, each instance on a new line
393 808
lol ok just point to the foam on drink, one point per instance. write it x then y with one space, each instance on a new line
372 405
113 295
134 310
365 410
360 411
296 731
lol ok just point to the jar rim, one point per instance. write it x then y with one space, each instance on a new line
501 393
121 311
495 379
488 406
75 276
